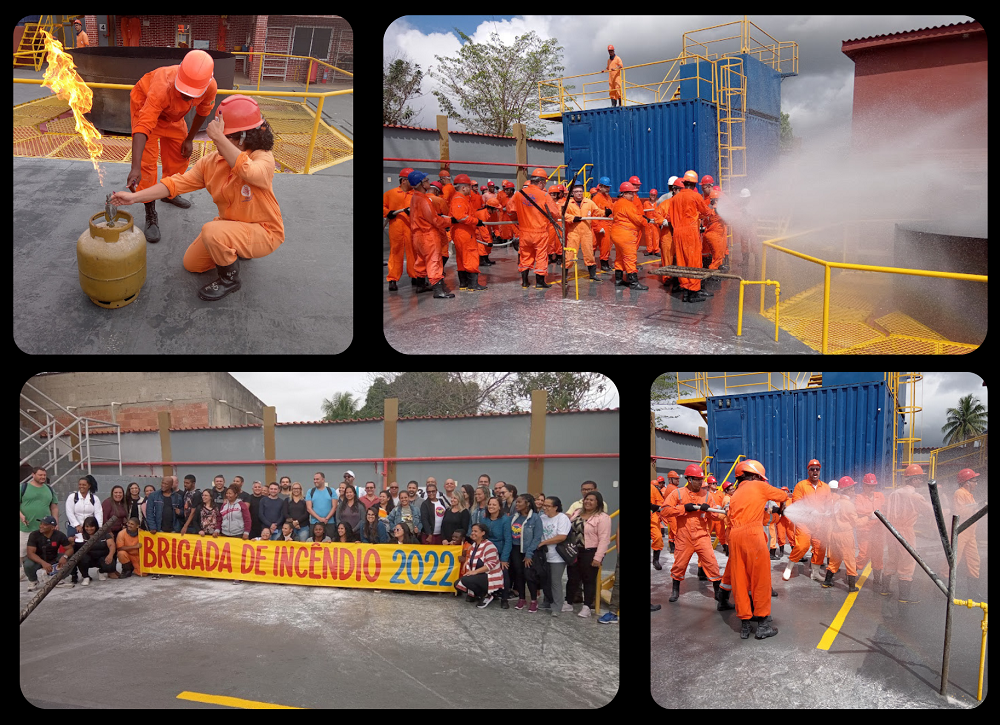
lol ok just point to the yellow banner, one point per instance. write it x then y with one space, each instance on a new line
367 566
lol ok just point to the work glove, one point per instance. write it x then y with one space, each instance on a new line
480 223
607 212
654 508
576 219
704 507
691 507
390 215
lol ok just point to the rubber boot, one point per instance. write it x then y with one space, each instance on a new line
127 570
489 262
482 260
463 283
634 283
540 282
701 575
654 607
178 201
440 291
700 295
764 628
605 265
722 596
876 579
671 547
524 279
592 269
774 555
676 591
473 282
228 281
850 583
152 230
656 560
618 279
419 284
886 578
444 261
745 629
906 593
392 286
828 581
773 593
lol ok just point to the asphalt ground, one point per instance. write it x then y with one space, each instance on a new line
298 300
140 642
606 320
886 655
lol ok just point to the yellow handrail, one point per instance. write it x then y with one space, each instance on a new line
777 295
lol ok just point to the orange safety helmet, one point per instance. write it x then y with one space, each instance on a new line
706 179
965 474
634 180
493 202
463 179
691 176
674 474
679 182
846 481
474 182
751 466
625 186
611 47
869 479
239 113
444 172
539 172
715 194
694 471
406 172
194 74
913 470
813 462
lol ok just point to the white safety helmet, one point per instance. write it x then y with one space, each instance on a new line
834 483
745 193
670 183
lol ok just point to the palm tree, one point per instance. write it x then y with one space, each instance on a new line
966 421
342 407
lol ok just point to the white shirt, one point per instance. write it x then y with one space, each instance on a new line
77 511
556 526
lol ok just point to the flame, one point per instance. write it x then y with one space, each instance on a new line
62 78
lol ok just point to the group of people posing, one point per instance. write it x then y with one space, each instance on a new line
747 517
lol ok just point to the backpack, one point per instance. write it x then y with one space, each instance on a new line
52 493
76 497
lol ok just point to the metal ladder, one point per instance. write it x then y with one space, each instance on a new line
731 116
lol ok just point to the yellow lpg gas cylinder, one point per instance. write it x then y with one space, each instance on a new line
112 260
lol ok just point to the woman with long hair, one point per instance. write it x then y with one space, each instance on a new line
481 574
114 505
100 556
596 538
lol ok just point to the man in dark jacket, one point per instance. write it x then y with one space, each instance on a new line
165 508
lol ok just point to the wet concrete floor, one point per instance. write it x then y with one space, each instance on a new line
605 320
887 654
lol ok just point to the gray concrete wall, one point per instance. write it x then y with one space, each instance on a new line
676 446
330 440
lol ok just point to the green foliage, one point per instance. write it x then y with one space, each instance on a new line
968 420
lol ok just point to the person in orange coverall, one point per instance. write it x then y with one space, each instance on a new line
238 175
395 202
690 506
843 520
578 232
673 483
558 194
656 501
871 532
716 500
715 232
666 230
652 234
463 234
441 207
686 208
534 228
158 104
602 229
968 547
749 568
424 223
902 509
626 228
614 67
811 486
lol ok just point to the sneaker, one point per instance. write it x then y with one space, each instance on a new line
154 576
85 582
608 618
33 586
64 583
555 612
102 576
23 575
504 604
584 611
567 607
520 604
485 603
236 581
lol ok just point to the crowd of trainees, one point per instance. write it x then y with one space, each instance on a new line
509 541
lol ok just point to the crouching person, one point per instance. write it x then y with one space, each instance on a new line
100 556
127 548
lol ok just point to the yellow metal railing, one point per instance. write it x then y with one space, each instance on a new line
844 265
976 455
777 296
699 386
782 56
985 626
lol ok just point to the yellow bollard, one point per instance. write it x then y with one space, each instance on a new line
985 627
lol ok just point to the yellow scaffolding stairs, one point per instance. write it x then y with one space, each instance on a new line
731 120
31 47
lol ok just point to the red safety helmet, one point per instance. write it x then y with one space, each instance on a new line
634 180
625 186
694 471
706 179
869 479
846 481
965 474
674 474
438 185
508 184
711 479
463 179
659 479
679 182
239 113
539 172
489 182
813 462
611 47
913 470
653 191
752 466
406 172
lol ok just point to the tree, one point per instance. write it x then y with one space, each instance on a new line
342 407
400 82
423 393
968 420
785 140
496 84
664 389
565 390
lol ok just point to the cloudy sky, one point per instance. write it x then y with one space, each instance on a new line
298 396
940 392
818 100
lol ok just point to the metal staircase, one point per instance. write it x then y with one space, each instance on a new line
61 447
731 120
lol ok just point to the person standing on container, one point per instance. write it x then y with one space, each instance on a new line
806 488
871 532
686 208
614 67
844 517
239 176
159 102
625 230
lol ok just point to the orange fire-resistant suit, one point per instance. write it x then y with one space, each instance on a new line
666 238
652 232
685 208
534 228
871 532
968 547
715 237
578 234
692 533
803 536
841 541
626 229
400 241
749 568
665 516
444 235
424 227
602 229
654 518
614 69
902 509
466 253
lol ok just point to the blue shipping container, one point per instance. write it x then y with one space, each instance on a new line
763 88
848 428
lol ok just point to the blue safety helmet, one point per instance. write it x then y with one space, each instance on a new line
604 180
416 177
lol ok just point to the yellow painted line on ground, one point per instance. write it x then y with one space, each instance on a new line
834 629
233 702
